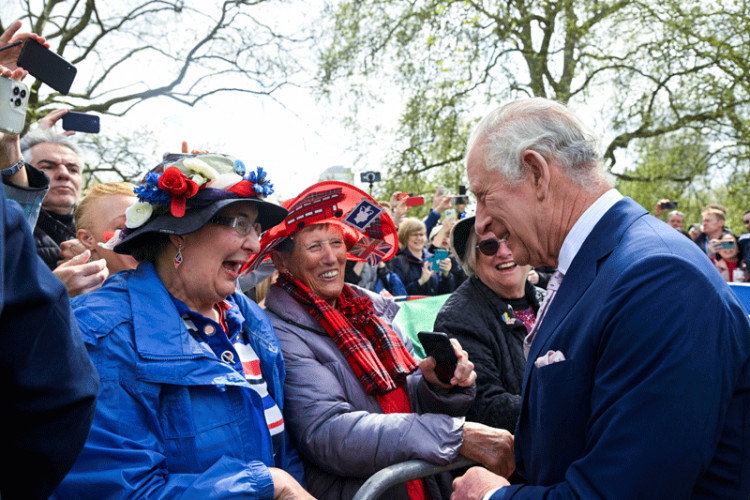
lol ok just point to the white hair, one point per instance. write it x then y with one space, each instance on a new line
40 136
544 126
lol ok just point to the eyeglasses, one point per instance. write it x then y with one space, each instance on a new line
490 246
746 221
240 223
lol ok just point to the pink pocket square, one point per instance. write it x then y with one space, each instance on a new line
549 358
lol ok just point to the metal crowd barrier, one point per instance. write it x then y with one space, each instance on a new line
395 474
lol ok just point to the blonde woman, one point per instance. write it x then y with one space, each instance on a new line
413 266
99 215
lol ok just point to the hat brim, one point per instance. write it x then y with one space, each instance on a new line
269 215
460 235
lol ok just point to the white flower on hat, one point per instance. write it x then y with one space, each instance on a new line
200 167
138 214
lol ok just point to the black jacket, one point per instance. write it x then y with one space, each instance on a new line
49 232
476 316
409 270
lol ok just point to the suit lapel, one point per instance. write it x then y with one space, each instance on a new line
598 245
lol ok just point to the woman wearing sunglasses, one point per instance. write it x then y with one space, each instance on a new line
490 314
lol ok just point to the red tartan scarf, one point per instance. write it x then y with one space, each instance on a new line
373 350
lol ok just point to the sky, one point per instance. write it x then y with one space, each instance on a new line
295 144
291 136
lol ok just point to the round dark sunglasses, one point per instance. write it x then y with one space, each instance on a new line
489 247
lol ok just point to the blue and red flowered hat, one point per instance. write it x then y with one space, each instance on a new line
179 196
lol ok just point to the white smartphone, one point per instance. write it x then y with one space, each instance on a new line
14 99
450 214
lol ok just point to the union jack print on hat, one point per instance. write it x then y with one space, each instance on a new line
369 232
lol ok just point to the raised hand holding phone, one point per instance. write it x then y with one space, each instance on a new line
10 47
46 66
447 363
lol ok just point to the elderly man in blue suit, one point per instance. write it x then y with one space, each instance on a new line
637 383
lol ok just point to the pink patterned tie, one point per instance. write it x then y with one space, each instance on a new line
552 287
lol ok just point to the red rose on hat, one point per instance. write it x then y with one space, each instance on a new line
179 186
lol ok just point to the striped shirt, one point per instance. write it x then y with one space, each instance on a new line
233 349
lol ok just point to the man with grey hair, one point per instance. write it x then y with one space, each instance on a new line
55 159
59 158
631 389
676 219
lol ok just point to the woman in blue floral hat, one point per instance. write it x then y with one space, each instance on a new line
191 372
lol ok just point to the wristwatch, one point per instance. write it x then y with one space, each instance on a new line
7 172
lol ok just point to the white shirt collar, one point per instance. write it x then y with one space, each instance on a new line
583 227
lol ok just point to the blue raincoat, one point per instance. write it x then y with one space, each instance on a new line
171 420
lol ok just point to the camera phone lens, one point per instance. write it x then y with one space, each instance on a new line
18 102
23 94
15 90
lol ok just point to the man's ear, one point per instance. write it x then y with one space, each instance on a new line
278 260
86 238
539 172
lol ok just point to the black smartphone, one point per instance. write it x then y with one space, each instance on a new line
80 122
670 205
438 345
46 66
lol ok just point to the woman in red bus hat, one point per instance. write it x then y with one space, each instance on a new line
357 400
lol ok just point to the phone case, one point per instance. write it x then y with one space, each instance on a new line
45 65
14 99
439 255
414 201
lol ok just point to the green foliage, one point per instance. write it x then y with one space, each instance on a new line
642 70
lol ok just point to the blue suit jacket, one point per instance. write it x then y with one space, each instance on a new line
653 398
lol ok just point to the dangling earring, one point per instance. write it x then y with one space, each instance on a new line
178 257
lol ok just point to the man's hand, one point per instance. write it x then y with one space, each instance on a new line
53 117
463 376
69 249
445 266
476 483
398 206
8 57
659 209
80 276
440 201
427 273
185 150
285 487
533 276
489 446
713 247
